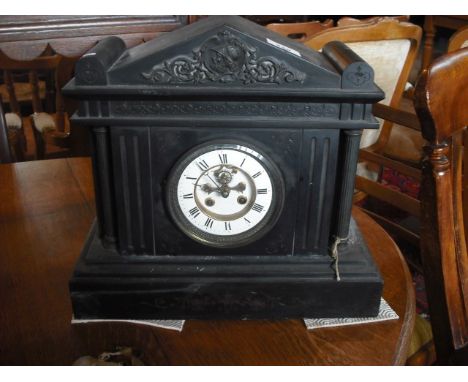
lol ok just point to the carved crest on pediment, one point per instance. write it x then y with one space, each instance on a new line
223 58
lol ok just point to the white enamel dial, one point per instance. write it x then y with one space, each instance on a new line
224 194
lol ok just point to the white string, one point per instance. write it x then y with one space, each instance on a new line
334 255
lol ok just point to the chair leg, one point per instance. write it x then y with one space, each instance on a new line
22 145
40 144
16 141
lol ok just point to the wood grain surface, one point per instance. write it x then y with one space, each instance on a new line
26 37
46 208
441 102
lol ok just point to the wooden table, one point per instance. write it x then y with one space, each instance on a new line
46 208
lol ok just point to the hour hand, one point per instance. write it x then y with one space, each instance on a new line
240 187
208 188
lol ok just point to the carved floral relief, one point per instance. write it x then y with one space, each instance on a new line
224 58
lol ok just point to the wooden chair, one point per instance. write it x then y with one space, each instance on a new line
458 40
393 197
390 47
300 31
30 85
5 150
13 140
431 24
350 21
441 102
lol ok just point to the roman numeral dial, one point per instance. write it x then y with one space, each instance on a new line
225 195
202 165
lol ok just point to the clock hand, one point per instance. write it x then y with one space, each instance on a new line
207 188
240 187
224 190
217 186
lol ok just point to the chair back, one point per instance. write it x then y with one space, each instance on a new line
441 102
349 21
390 47
5 153
458 40
300 31
34 82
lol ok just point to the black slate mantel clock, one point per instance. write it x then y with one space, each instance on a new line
224 158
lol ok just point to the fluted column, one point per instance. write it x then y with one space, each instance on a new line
103 185
352 138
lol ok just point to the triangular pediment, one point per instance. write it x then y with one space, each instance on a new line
223 51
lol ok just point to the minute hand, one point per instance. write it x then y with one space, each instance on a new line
216 184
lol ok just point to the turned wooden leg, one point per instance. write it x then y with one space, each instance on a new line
429 34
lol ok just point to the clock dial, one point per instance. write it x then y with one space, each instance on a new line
224 194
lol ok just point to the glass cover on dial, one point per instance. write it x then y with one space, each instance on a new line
225 194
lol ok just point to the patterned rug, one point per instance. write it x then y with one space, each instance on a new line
407 185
